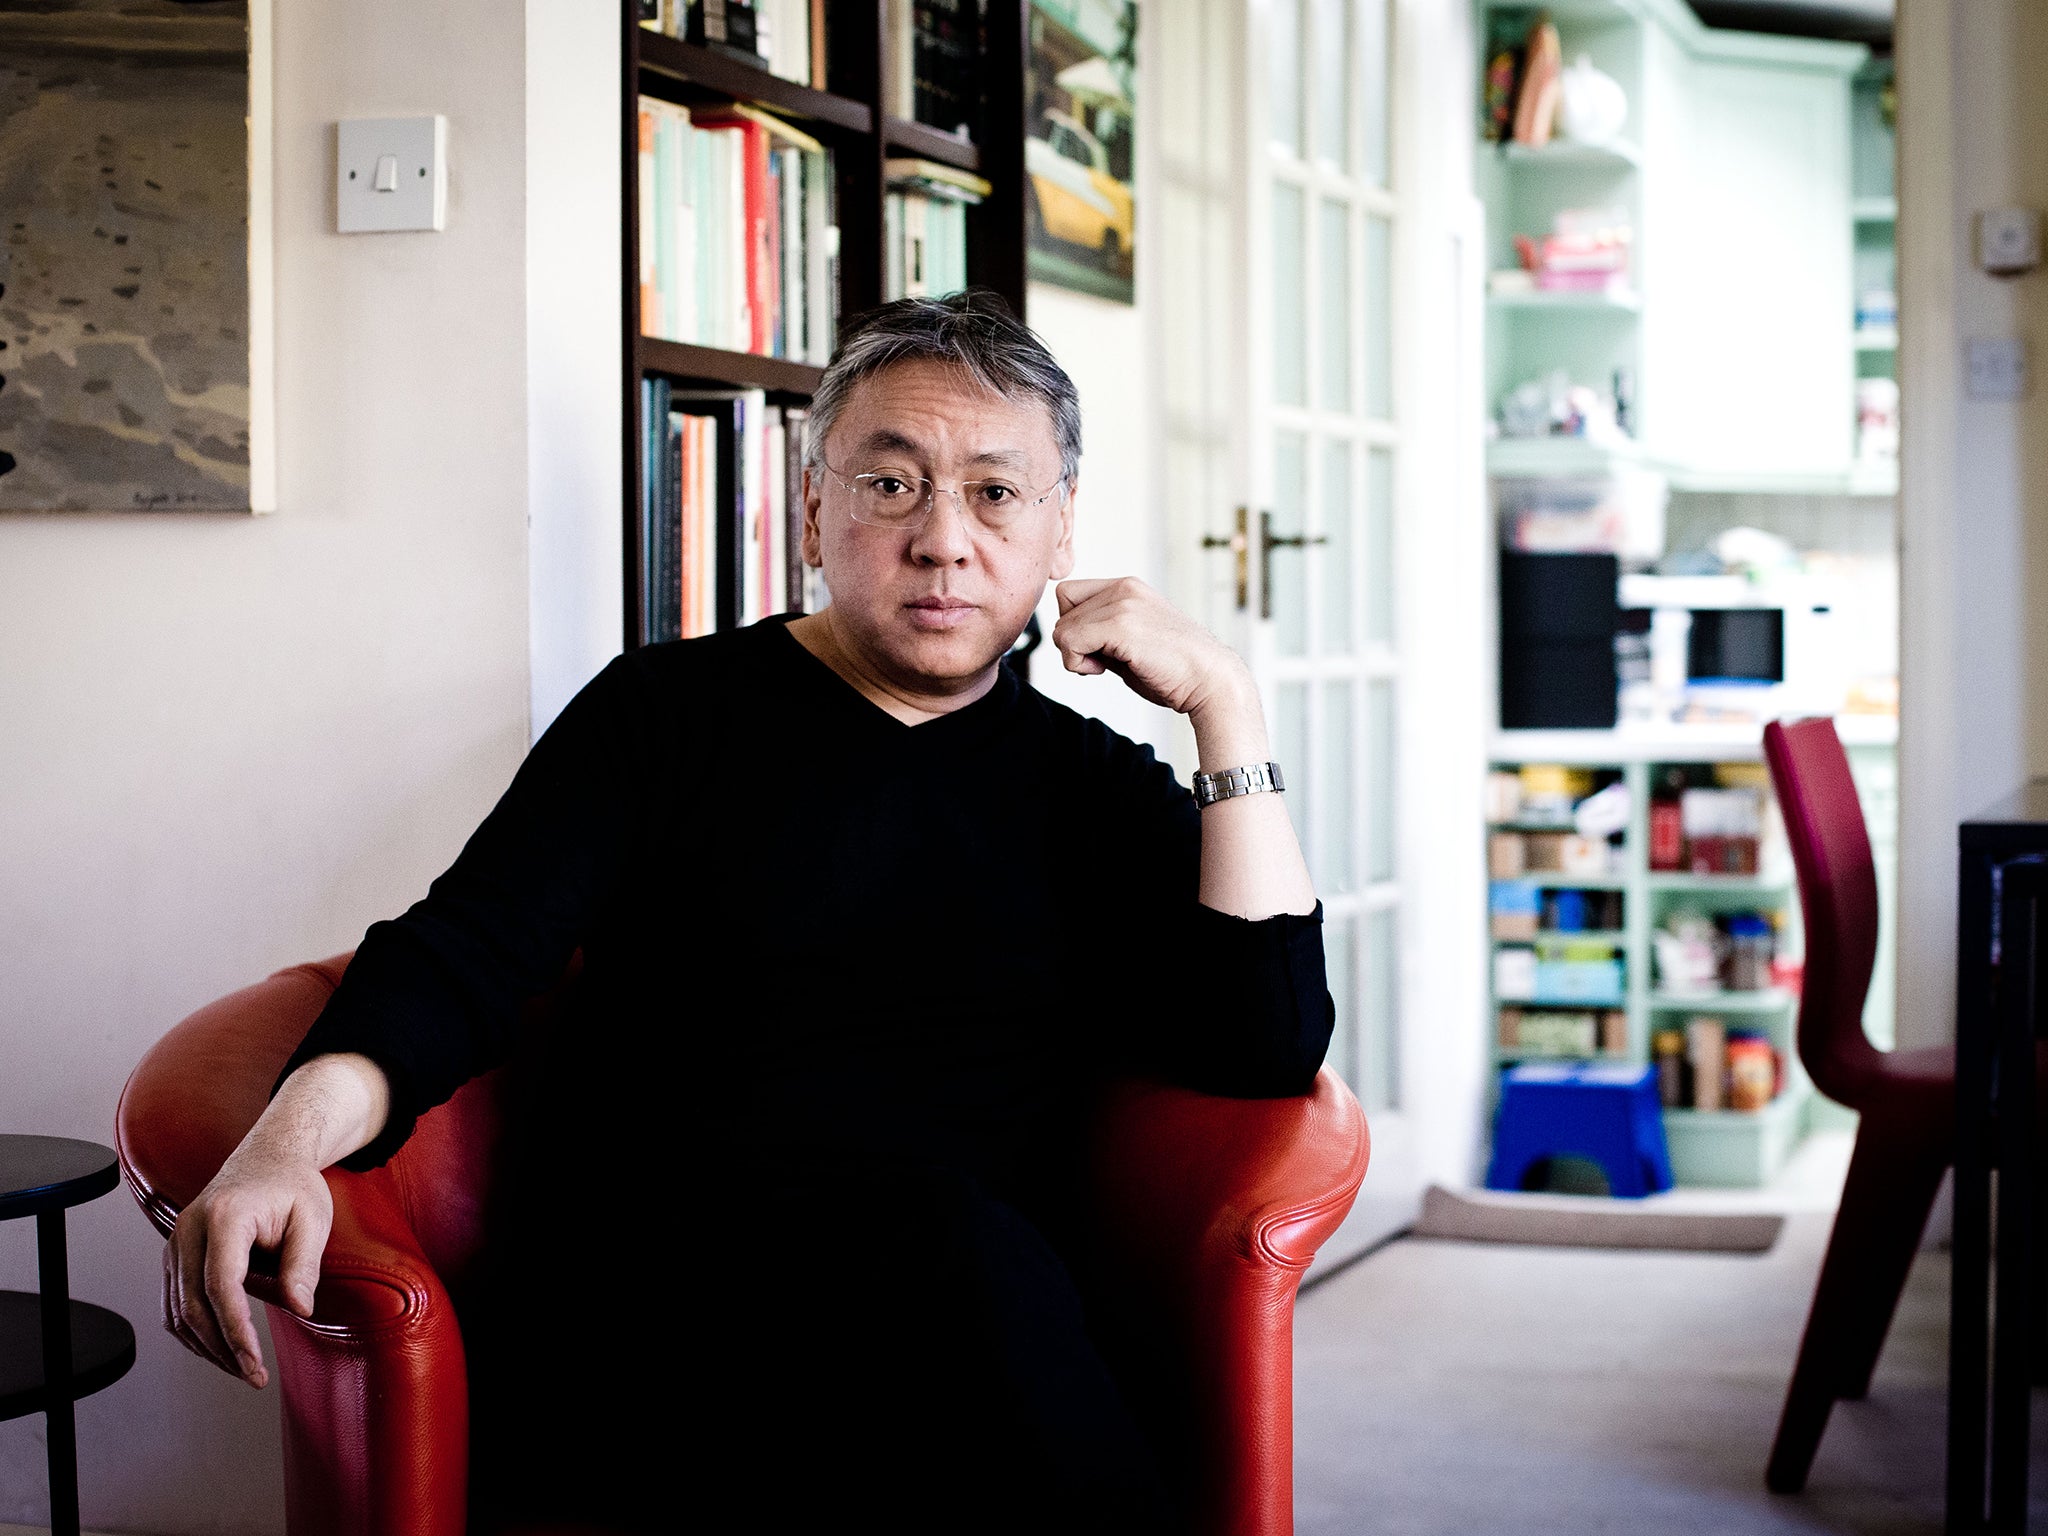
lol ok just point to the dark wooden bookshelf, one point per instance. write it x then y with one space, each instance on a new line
714 74
848 118
912 138
681 360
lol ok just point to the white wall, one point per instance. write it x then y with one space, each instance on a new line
229 743
575 346
1119 527
1974 548
1444 569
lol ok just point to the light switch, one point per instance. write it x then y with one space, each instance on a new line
2008 241
390 173
1998 369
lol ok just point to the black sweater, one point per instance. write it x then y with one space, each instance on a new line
815 929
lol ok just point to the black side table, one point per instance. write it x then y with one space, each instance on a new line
45 1365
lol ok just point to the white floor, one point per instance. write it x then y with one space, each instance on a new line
1446 1389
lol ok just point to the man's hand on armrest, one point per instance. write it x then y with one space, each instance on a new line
269 1194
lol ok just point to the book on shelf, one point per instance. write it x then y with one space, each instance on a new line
934 179
722 510
924 227
739 244
784 37
931 58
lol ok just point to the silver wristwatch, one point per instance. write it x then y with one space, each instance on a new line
1252 779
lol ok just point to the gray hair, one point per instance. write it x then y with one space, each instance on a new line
975 331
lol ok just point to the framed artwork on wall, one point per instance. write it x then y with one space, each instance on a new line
1078 153
136 321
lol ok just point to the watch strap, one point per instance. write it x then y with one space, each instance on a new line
1228 783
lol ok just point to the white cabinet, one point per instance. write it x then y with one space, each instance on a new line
1738 330
1748 301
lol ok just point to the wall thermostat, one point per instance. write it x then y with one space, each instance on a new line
2008 241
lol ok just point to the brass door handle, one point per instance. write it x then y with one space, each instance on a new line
1239 544
1268 542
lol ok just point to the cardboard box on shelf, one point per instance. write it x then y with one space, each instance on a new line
1514 973
1551 1033
1514 909
1579 981
1583 855
1503 795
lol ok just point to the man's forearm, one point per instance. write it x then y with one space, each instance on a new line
1251 863
328 1108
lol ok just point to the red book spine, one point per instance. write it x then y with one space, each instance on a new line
760 276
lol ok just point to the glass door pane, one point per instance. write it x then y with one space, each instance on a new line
1324 443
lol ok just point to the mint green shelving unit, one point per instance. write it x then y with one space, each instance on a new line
1726 1148
1733 171
1874 216
1723 1148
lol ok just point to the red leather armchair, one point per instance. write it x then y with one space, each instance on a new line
1212 1209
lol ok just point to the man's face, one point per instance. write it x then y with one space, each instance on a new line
935 606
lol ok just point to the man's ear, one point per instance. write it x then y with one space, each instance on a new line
814 538
1062 564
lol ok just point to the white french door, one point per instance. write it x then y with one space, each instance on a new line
1323 440
1316 275
1284 466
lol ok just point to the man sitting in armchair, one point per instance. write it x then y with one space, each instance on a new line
845 866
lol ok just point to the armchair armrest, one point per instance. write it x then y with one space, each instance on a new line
194 1095
375 1384
1211 1209
376 1396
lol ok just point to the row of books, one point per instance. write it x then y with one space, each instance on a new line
931 55
931 51
739 240
786 36
924 227
721 511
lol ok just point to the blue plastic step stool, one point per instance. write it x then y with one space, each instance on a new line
1605 1112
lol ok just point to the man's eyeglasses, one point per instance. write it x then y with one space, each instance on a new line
887 498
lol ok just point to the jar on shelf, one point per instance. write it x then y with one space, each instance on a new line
1752 1071
1667 1046
1746 965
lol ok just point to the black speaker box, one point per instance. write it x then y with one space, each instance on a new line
1558 615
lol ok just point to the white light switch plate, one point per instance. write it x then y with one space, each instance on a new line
1998 369
418 146
2009 241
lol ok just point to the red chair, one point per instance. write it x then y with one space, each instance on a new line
1214 1208
1905 1137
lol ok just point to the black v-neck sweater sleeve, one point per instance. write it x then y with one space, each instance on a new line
928 937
